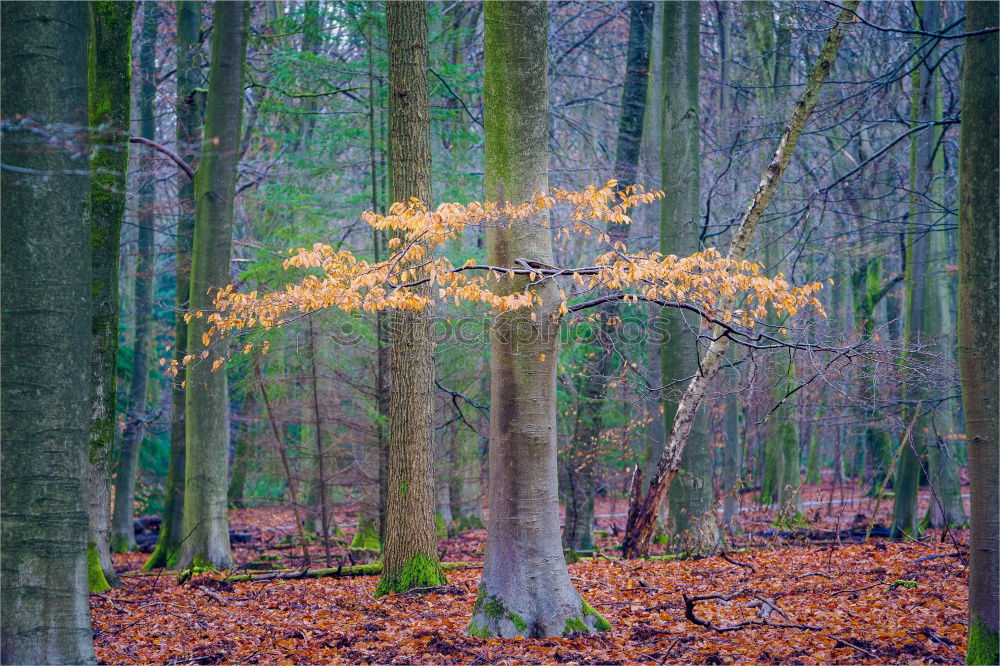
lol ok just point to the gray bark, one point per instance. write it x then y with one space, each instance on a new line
978 321
110 77
206 524
525 589
45 318
123 517
188 140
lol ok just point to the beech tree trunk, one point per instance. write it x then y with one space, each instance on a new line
206 524
123 518
643 510
920 320
45 322
525 589
110 78
409 553
692 521
189 78
584 448
978 321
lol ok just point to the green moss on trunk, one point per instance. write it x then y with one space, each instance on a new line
984 647
419 571
96 582
366 538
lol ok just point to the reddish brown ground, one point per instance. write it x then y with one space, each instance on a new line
844 590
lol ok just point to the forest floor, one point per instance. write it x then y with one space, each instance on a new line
830 600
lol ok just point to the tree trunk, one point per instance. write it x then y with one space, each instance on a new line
110 77
243 455
692 521
409 553
643 510
123 518
921 324
583 454
206 524
525 589
978 265
189 78
45 317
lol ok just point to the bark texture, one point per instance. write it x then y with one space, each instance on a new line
45 317
110 78
123 518
642 510
692 522
978 322
189 78
206 525
525 589
409 552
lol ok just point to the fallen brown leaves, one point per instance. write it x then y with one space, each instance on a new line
846 593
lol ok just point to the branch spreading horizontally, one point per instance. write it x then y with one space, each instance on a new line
705 279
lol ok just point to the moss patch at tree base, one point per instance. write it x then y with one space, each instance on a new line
984 647
420 571
96 581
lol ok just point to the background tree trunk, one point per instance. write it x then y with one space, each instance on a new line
206 524
525 589
692 520
110 78
123 518
919 299
189 78
584 452
409 553
978 322
45 317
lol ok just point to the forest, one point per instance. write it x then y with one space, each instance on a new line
494 331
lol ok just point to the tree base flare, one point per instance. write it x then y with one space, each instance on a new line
420 571
492 617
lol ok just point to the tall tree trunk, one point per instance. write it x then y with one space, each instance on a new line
921 323
122 530
643 510
525 589
189 79
946 507
110 78
583 455
978 322
409 553
206 524
45 321
692 520
368 537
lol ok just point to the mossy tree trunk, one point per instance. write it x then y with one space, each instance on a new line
409 552
206 524
45 318
110 78
978 322
692 521
922 314
123 517
189 79
525 588
583 456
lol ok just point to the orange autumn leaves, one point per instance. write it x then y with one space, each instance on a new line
340 279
